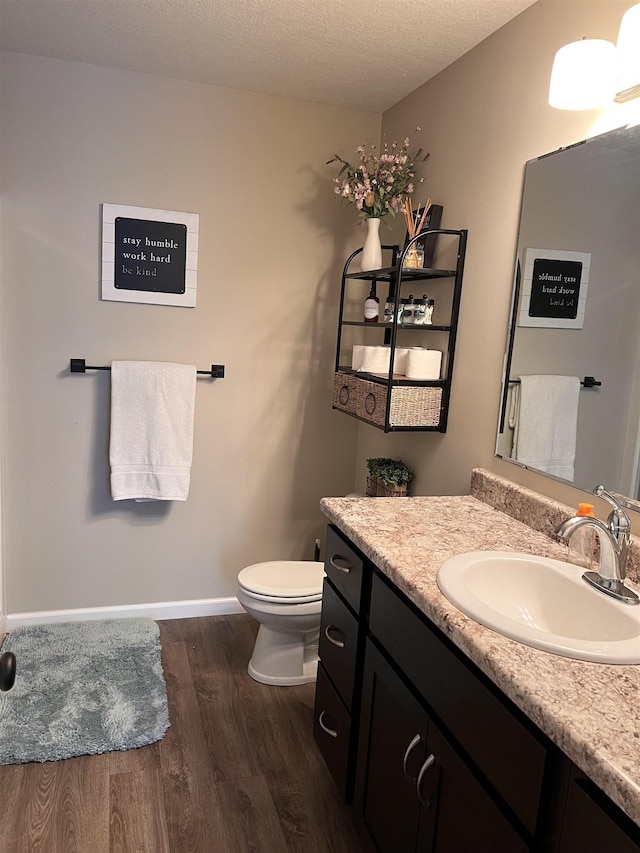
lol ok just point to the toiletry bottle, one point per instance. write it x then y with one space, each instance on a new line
582 544
389 309
372 306
408 311
420 311
428 313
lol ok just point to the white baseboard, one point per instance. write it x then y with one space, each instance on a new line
158 610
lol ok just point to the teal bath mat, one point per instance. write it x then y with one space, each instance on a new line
83 688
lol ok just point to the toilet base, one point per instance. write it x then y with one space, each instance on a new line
284 659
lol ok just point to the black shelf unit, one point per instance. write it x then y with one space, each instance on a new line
393 402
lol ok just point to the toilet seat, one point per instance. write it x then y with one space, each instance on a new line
283 581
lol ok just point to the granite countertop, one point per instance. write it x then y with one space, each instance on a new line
590 711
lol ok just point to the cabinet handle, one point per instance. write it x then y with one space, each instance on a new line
431 760
338 643
417 739
345 568
331 732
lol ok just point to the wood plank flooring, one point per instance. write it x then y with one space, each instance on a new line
237 772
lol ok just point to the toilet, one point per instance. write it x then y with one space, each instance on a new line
285 597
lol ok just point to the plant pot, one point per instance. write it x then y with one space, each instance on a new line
377 489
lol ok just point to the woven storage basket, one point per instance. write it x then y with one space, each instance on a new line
371 401
376 489
410 405
415 406
345 392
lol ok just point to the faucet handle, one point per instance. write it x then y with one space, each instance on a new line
618 520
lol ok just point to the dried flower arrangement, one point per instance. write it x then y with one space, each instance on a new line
379 183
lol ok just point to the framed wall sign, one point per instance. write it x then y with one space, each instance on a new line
149 255
554 288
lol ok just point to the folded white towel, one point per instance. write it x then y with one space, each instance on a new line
151 447
547 420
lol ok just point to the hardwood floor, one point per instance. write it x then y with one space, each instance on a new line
237 772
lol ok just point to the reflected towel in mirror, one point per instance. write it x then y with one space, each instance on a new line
545 423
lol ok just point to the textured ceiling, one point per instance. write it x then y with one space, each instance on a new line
358 53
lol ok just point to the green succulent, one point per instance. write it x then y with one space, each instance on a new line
391 472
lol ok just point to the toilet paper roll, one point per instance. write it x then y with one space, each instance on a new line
357 357
400 361
424 364
376 360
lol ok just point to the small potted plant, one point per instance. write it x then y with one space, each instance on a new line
387 478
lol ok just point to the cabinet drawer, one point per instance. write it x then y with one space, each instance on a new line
344 566
332 729
495 735
338 642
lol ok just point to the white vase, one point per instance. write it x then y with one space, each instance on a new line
372 250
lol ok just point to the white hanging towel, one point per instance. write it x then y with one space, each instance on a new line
546 424
151 447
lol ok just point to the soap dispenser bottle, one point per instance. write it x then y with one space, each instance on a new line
372 306
582 545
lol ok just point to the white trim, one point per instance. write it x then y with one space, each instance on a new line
154 610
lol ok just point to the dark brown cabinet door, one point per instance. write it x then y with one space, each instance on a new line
595 825
413 791
467 819
391 754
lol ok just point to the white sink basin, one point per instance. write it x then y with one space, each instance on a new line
543 603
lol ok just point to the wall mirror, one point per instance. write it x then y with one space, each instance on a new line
576 304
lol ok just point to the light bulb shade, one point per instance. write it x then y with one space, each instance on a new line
629 50
584 75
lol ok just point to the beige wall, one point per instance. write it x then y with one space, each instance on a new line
482 118
272 244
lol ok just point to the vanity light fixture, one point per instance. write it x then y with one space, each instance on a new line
593 73
629 55
583 76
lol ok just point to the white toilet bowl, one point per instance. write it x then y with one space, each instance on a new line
285 597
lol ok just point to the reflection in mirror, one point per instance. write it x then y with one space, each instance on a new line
576 313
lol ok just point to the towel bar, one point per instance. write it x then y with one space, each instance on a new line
587 382
78 365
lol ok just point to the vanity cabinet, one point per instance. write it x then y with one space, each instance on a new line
430 753
391 401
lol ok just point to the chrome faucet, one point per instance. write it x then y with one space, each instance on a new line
613 538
